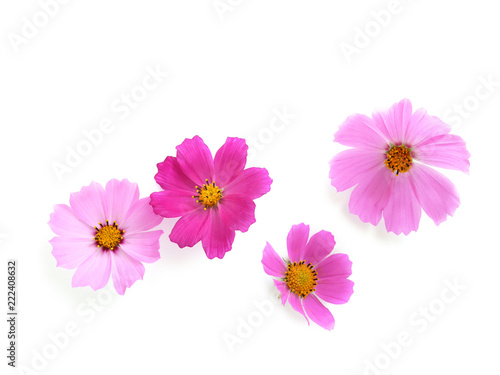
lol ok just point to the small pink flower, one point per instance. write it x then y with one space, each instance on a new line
310 271
387 164
105 232
213 196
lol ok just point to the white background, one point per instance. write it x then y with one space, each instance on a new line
227 77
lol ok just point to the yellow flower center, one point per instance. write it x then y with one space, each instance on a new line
108 236
208 195
399 159
301 278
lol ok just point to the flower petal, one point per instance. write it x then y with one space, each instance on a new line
94 271
351 166
125 270
371 195
219 238
422 127
445 151
190 228
141 217
361 131
195 160
230 160
142 246
89 205
173 203
64 222
435 192
171 177
320 245
119 197
272 262
71 252
251 183
402 213
337 290
284 291
393 122
318 313
296 304
237 212
296 242
335 266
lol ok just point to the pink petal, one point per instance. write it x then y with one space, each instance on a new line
141 217
171 177
173 203
393 122
272 262
195 160
64 223
337 290
120 196
361 131
371 195
219 238
318 313
445 151
71 252
351 166
435 192
142 246
320 245
230 160
125 270
335 266
237 212
422 127
251 183
296 242
296 304
89 204
402 213
190 228
284 291
94 271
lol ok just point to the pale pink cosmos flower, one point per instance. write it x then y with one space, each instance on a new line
310 272
213 196
388 165
103 232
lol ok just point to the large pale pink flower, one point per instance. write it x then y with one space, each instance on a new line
310 272
389 165
213 196
105 232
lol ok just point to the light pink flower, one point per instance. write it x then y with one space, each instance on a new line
105 232
309 273
388 166
213 196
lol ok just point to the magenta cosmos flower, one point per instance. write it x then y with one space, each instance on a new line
213 196
105 232
309 273
388 164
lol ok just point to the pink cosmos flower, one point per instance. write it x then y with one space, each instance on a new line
388 166
213 196
309 273
105 232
